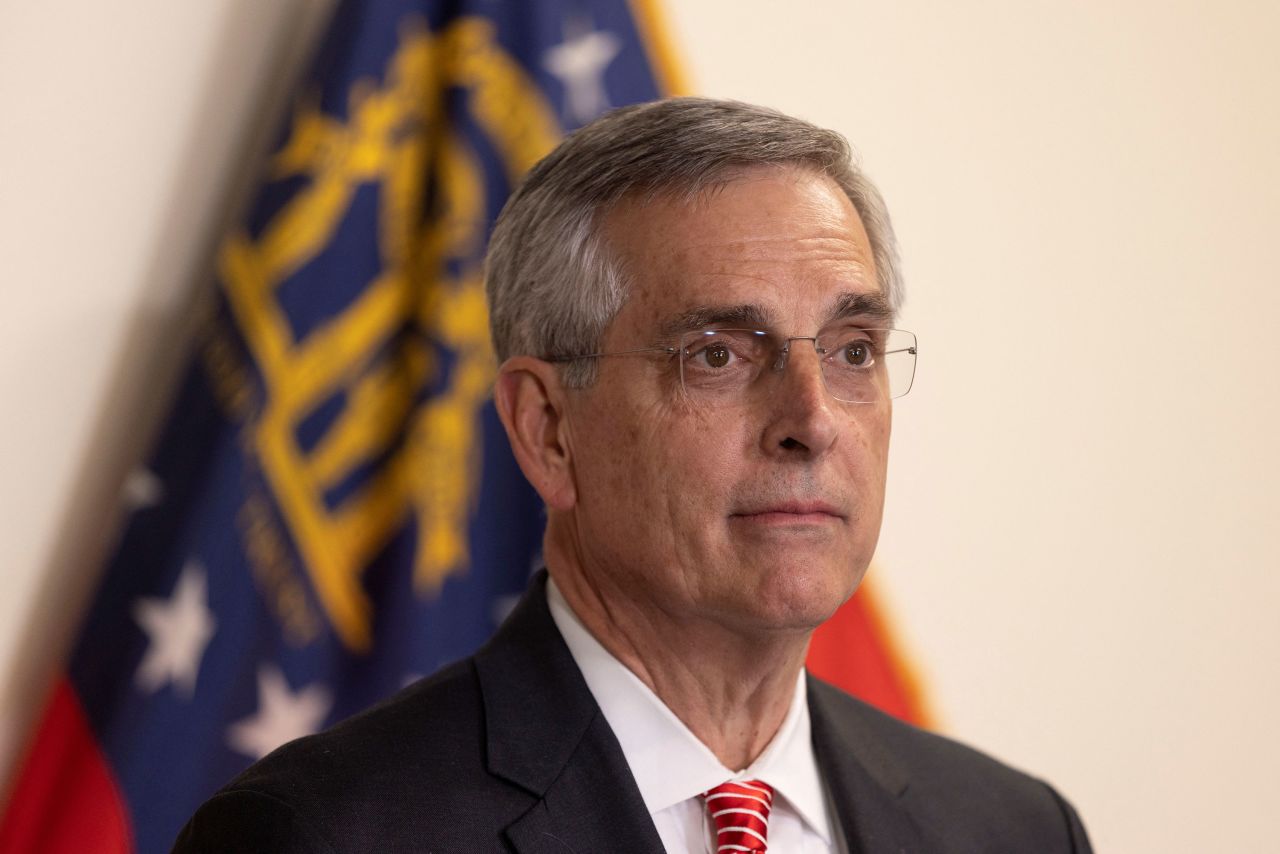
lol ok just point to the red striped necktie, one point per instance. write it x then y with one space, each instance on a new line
741 814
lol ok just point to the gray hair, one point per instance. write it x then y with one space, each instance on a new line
553 285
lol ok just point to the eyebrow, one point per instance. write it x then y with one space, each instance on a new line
700 317
873 306
870 305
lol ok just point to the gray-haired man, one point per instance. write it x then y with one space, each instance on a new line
694 305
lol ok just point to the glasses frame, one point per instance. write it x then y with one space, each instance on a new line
784 353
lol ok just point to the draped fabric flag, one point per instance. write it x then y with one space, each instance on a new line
332 509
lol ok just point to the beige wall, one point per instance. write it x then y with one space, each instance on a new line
1079 549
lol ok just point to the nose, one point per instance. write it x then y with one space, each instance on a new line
784 352
802 421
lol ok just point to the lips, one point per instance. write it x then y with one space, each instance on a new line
790 510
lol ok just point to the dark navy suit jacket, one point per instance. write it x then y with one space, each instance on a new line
507 751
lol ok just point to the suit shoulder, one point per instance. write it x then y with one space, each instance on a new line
249 821
915 748
406 768
433 717
963 795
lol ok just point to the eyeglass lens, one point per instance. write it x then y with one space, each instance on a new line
858 365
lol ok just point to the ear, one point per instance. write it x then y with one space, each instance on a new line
530 402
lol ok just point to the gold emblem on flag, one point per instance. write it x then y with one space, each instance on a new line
428 454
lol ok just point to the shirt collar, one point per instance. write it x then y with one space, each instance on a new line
669 763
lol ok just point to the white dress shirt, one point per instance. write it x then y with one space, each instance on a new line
672 767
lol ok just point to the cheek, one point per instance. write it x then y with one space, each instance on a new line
708 451
664 475
620 466
623 454
862 466
872 438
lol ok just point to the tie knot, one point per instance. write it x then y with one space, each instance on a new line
741 815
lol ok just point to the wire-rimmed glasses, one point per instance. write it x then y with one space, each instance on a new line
858 365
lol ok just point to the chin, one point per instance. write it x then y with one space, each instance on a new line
801 598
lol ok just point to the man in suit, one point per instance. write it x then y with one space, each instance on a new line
693 302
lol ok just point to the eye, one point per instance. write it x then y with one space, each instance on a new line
716 354
717 351
723 352
858 353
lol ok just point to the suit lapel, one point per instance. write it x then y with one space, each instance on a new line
546 735
867 784
593 806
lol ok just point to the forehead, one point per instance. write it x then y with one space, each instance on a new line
784 240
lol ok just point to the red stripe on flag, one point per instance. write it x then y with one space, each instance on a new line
65 800
853 651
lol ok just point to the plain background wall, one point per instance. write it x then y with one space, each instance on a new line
1079 553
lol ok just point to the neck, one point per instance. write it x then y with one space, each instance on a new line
731 685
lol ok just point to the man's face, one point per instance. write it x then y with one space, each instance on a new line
759 512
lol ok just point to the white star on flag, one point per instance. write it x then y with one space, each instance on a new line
179 629
580 62
282 714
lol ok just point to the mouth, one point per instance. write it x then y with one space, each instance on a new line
791 513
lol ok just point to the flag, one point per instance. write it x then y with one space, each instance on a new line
331 510
856 651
